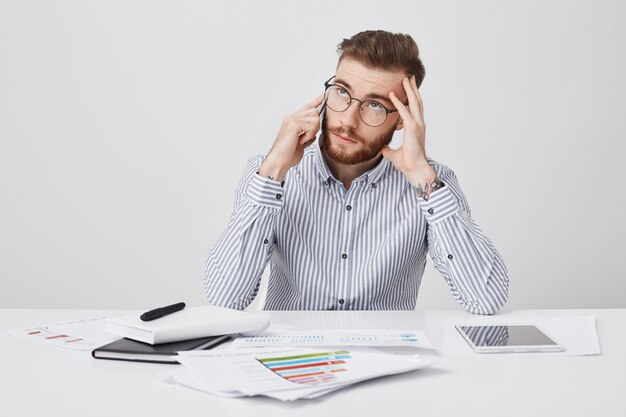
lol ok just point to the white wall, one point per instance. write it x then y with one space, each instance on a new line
125 125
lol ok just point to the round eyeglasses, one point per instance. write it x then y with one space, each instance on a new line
338 99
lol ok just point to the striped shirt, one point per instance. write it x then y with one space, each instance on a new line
358 249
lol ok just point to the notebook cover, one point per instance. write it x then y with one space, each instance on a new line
131 350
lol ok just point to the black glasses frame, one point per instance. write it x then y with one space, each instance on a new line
328 84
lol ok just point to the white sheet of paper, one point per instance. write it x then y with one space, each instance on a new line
183 377
180 375
291 373
577 334
398 338
86 334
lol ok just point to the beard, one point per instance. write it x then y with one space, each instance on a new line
338 152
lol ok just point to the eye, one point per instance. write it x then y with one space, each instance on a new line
342 92
374 106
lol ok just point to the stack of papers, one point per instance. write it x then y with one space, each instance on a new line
288 365
287 373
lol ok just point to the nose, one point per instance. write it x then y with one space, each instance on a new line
350 117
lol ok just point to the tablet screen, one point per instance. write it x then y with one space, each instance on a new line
512 335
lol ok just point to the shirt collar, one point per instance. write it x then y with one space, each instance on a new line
372 176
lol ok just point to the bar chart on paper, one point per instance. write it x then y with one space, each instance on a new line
314 368
85 334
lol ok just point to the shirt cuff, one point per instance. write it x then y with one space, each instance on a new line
265 192
440 204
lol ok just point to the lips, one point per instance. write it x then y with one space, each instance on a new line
344 139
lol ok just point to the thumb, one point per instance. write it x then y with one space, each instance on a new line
387 152
307 137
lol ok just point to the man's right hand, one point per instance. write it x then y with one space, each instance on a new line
297 131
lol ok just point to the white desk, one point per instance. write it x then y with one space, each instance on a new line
38 380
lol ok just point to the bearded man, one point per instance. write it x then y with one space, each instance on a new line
344 220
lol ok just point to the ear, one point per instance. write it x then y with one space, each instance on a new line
400 124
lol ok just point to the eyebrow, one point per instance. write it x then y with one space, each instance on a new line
367 97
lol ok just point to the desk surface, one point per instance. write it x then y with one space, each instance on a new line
43 380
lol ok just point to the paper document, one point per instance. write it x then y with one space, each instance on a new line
86 334
288 373
414 338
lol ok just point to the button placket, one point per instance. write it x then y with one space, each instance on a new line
347 240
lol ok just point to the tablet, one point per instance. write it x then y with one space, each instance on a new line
508 338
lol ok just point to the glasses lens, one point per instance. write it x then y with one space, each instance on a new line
373 113
337 98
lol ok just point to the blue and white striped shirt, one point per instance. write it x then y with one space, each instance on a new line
358 249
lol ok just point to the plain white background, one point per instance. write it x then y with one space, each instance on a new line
125 126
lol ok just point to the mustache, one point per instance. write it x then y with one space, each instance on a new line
342 131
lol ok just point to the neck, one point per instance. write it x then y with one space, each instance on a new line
348 173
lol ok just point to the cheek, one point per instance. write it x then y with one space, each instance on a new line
330 118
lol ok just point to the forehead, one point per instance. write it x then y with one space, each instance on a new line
365 81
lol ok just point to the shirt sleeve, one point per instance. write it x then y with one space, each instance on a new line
236 262
468 261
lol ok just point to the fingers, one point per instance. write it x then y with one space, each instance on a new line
404 112
419 96
315 103
412 94
307 143
390 154
308 129
308 121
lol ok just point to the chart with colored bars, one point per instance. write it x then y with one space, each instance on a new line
83 334
314 368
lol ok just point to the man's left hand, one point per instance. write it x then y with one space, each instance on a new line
410 157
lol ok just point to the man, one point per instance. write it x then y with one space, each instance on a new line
346 223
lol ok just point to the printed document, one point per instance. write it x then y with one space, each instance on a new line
396 338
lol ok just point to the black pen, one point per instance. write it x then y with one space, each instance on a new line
162 311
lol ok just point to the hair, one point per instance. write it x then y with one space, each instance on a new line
385 50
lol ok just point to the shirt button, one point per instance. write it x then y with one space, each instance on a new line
348 208
265 242
450 257
325 183
374 185
279 196
431 210
341 301
344 255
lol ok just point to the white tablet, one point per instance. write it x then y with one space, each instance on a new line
508 338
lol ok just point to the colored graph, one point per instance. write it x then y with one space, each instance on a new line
314 368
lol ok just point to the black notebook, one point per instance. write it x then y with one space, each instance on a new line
131 350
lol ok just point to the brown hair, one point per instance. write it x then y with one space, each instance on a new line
386 50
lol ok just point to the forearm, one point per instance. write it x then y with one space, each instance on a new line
273 169
466 258
470 264
237 260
